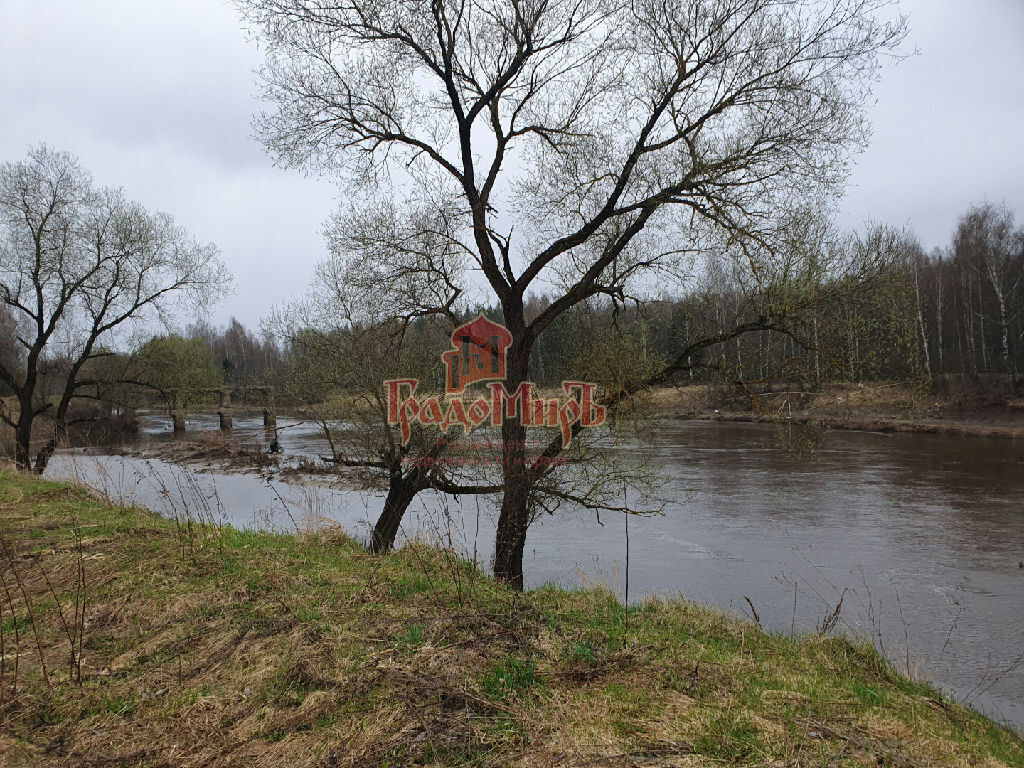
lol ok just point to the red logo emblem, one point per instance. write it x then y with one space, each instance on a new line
478 354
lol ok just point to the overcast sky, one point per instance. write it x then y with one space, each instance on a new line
156 96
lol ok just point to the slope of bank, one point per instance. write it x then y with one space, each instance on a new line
981 412
128 639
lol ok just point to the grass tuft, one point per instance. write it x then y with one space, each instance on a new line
509 678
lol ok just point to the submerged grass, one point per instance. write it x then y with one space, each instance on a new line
220 647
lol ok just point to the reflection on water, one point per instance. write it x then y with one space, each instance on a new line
921 533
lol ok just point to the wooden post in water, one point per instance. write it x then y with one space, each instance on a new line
269 416
225 411
176 407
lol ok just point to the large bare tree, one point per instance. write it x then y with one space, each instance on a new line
589 147
77 263
382 306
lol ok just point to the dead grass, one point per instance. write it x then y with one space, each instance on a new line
248 649
870 406
878 399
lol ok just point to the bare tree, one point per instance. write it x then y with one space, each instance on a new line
336 369
77 263
590 145
987 239
381 306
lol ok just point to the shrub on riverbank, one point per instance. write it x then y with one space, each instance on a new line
133 640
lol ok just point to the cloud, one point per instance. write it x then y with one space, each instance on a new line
947 122
157 97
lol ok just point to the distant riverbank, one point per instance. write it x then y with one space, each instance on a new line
869 408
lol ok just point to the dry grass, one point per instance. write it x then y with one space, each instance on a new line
223 647
877 406
877 399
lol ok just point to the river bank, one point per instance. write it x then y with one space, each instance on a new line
989 412
207 645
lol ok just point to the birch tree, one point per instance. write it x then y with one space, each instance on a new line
987 239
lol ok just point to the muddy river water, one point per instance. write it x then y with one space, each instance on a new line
922 536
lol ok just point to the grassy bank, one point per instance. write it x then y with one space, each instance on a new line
208 646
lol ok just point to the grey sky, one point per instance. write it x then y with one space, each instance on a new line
156 96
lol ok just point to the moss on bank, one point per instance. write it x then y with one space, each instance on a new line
210 646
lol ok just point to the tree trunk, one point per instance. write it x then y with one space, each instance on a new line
60 433
1004 331
1004 325
514 520
817 363
22 440
920 323
960 348
513 523
401 492
938 319
968 300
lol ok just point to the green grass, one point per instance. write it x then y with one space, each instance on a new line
15 624
509 678
412 638
226 647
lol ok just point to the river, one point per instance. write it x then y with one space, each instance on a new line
921 536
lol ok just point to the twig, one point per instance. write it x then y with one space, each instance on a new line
624 503
31 613
906 632
753 610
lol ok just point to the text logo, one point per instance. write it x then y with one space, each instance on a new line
478 354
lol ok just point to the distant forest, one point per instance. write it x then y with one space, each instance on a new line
957 310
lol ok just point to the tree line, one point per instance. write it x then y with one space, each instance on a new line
956 310
969 296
